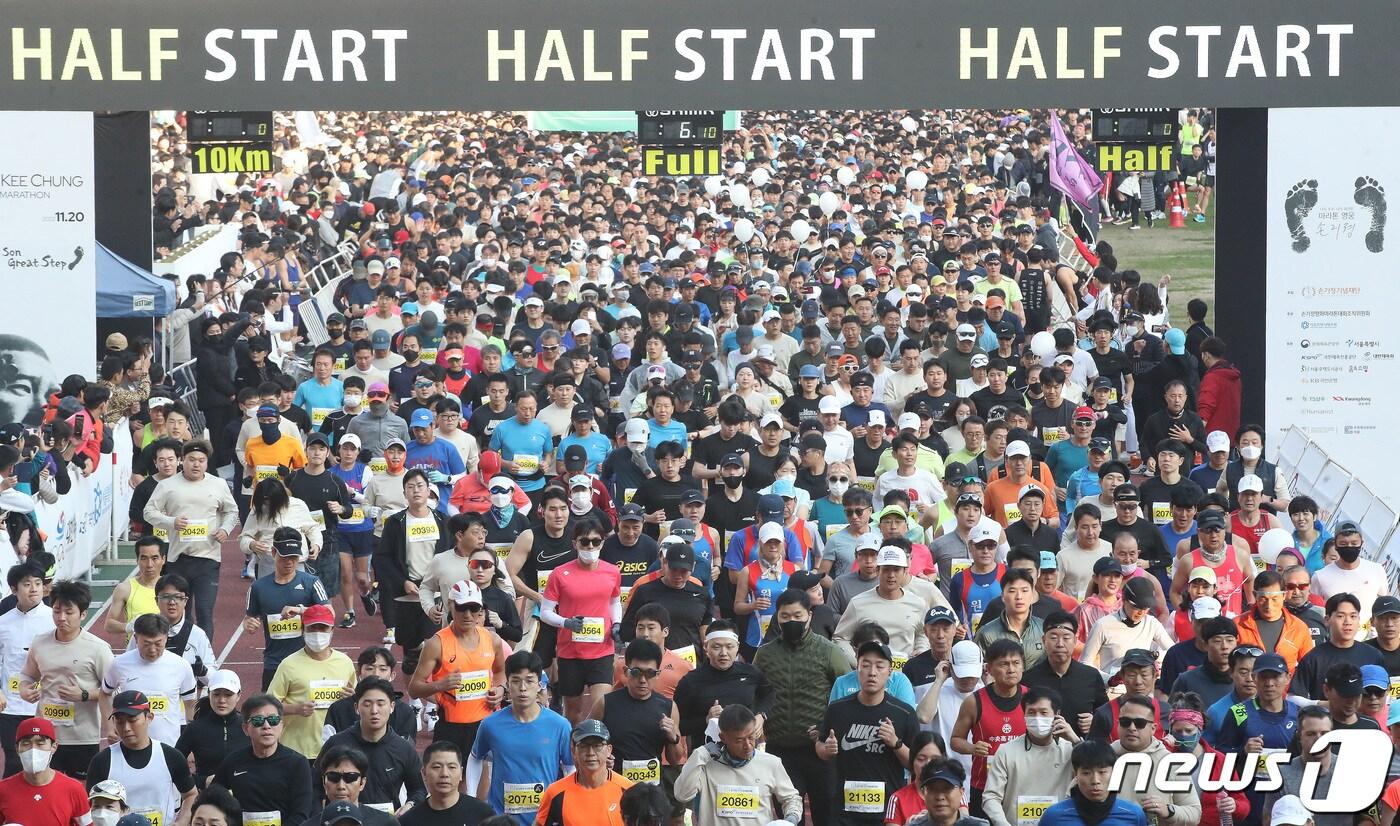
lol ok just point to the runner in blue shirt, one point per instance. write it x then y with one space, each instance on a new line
528 746
525 444
436 456
276 601
1269 718
581 432
322 394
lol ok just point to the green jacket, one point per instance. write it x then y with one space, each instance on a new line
1030 639
801 677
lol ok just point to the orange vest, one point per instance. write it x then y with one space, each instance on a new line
466 704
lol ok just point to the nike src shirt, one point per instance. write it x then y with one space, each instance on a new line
869 770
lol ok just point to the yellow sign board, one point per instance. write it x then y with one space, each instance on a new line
681 160
1135 157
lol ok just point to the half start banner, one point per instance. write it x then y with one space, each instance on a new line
636 54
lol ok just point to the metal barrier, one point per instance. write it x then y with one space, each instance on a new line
322 282
186 384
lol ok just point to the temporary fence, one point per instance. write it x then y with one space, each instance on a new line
86 521
1340 496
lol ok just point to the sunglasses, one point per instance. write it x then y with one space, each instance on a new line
856 511
550 347
1250 650
986 546
835 479
343 777
1296 587
648 673
1134 722
469 608
589 542
171 598
379 396
260 720
502 490
481 564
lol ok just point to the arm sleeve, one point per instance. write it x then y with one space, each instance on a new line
549 613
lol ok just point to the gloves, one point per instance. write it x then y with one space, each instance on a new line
437 477
574 624
639 459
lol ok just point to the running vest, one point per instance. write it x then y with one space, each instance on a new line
546 554
805 540
150 791
467 703
1229 579
994 727
142 600
1249 533
977 596
761 586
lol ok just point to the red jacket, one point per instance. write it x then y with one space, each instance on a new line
1219 400
1210 813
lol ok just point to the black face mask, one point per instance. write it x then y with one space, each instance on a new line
409 356
793 630
1349 555
733 482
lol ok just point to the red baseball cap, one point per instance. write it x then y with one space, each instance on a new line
317 615
36 725
489 464
1085 412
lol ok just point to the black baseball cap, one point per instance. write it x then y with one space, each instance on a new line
1210 518
631 512
679 555
770 507
1346 681
1102 383
692 495
875 647
1100 444
1270 662
1137 656
316 437
1105 565
942 772
590 729
575 457
731 460
1138 591
954 472
340 811
804 580
1346 526
130 703
940 613
1385 605
288 545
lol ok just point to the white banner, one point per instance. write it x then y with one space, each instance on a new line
1332 366
48 256
78 527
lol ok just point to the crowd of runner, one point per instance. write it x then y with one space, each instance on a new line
848 489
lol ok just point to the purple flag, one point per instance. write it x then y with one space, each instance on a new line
1069 172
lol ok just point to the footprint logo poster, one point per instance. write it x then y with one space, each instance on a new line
1364 222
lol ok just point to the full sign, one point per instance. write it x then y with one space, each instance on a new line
681 160
629 54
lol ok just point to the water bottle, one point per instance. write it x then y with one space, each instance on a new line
1225 818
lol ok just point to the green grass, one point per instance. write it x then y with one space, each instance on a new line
1187 254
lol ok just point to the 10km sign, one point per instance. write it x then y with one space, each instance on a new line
231 157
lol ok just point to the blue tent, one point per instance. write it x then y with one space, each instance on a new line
124 290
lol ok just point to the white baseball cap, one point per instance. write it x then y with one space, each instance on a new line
224 680
769 315
769 531
966 658
1251 482
1205 608
638 430
1217 442
1289 811
765 352
1018 448
967 332
979 360
465 592
109 789
869 542
581 327
877 418
828 404
769 419
580 481
908 421
890 555
982 531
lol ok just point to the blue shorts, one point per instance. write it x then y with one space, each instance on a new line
359 544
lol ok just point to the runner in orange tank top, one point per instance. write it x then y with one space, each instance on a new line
462 669
1213 548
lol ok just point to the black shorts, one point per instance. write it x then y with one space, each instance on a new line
546 642
1208 181
73 760
462 735
359 545
576 675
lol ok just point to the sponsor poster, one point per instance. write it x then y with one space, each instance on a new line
48 271
1333 343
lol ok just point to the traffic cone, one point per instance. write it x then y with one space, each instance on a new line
1177 212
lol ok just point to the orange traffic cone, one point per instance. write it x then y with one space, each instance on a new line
1176 209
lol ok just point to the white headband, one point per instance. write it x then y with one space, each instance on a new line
722 635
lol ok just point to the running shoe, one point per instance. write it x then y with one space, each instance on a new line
371 601
348 620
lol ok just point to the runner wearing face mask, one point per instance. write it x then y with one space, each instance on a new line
308 681
581 504
39 794
583 599
1351 574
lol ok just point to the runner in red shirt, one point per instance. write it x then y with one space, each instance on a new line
40 796
583 599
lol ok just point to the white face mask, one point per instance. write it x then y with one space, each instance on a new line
105 817
1251 453
1129 570
318 640
581 502
35 760
489 263
353 400
838 489
588 557
500 500
1039 726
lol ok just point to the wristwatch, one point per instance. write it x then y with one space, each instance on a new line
898 744
85 695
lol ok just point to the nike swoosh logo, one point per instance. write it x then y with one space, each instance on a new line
847 745
542 558
235 774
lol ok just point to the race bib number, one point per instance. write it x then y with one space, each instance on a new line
737 801
262 472
501 549
776 399
155 816
159 703
1261 769
522 798
319 517
386 808
865 482
864 797
1030 809
627 495
262 819
196 530
429 355
12 687
378 465
527 465
898 661
1051 435
1012 511
832 530
475 685
325 692
421 529
1161 513
355 517
283 629
1394 688
542 579
319 414
687 654
1259 564
341 363
626 595
160 533
60 714
592 631
642 771
763 623
960 565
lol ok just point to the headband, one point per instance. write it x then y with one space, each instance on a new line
722 635
1187 715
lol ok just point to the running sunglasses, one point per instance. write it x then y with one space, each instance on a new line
589 542
834 479
649 673
481 564
1134 722
260 720
343 777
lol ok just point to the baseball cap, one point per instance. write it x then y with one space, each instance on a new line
1084 412
1290 811
891 510
225 679
394 441
966 332
379 339
1217 442
1209 518
771 507
1347 686
289 545
1251 482
1374 676
809 371
575 457
868 542
1205 573
1385 605
621 351
944 772
1030 490
940 613
631 513
981 532
731 460
890 555
579 480
316 437
1270 662
1106 566
784 488
834 350
638 430
130 703
133 819
954 472
422 417
680 556
1049 561
908 421
684 528
1346 526
769 419
1176 341
109 789
1018 448
1137 656
875 647
317 615
769 531
465 592
1138 591
340 811
1100 444
804 580
377 388
966 658
590 728
1102 383
829 404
